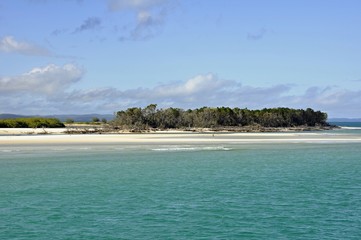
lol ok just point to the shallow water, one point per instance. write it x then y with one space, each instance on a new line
264 191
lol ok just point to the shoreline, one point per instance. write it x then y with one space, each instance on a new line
178 138
95 129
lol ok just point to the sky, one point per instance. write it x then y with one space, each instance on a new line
102 56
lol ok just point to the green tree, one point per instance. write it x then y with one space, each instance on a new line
95 119
207 117
69 120
149 115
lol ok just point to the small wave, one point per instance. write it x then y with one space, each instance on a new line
6 150
351 128
118 148
60 149
171 149
84 148
217 148
175 149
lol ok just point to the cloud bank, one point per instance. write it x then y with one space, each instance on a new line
46 81
49 90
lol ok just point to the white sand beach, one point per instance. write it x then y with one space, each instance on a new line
29 131
57 136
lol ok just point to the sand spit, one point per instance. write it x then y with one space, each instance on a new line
178 138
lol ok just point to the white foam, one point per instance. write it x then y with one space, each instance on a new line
6 150
60 149
174 149
351 128
217 148
171 149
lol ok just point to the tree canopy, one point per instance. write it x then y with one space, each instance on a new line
208 117
35 122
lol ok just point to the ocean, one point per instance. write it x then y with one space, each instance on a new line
230 191
348 127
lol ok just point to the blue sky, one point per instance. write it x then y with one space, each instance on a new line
101 56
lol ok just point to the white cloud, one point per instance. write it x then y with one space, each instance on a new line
150 16
148 25
338 102
47 80
195 85
10 44
116 5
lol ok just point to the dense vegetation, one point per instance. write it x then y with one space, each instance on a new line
206 117
35 122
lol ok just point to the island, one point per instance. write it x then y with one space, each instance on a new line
205 119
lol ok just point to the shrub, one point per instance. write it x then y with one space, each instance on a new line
36 122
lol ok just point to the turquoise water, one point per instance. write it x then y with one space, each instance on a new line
267 191
347 124
348 127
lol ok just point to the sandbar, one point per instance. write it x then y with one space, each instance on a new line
174 137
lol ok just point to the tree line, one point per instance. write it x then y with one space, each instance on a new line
208 117
35 122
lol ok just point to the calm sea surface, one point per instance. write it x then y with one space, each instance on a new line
266 191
